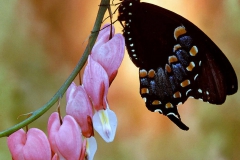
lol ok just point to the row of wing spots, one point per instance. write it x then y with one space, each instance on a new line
126 9
180 93
167 111
131 46
180 84
163 108
174 73
144 73
187 60
158 102
201 91
161 89
183 58
186 53
185 50
130 43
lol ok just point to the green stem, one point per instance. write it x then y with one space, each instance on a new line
38 113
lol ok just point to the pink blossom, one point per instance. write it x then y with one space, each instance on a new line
96 84
80 108
109 53
65 139
103 36
28 146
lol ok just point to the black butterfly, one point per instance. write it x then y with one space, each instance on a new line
176 60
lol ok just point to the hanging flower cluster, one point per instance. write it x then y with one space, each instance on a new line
72 137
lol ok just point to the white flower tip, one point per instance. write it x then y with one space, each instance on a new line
91 148
108 132
105 123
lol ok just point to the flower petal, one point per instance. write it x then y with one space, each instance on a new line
16 142
55 157
96 83
110 54
31 145
103 36
91 148
66 138
53 127
80 108
37 146
70 91
105 123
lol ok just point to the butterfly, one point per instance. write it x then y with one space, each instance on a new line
176 60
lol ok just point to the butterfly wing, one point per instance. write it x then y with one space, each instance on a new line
216 80
176 59
216 77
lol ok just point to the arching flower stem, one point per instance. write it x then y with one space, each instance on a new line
39 112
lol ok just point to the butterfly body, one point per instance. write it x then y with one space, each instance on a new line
176 60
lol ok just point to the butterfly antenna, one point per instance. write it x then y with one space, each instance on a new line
110 14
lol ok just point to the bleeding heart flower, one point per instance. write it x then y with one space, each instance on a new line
80 108
109 53
103 36
96 84
28 146
66 138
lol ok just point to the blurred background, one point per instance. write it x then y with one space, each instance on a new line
41 42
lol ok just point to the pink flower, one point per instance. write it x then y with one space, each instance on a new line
80 108
95 81
109 53
96 84
102 67
65 138
28 146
